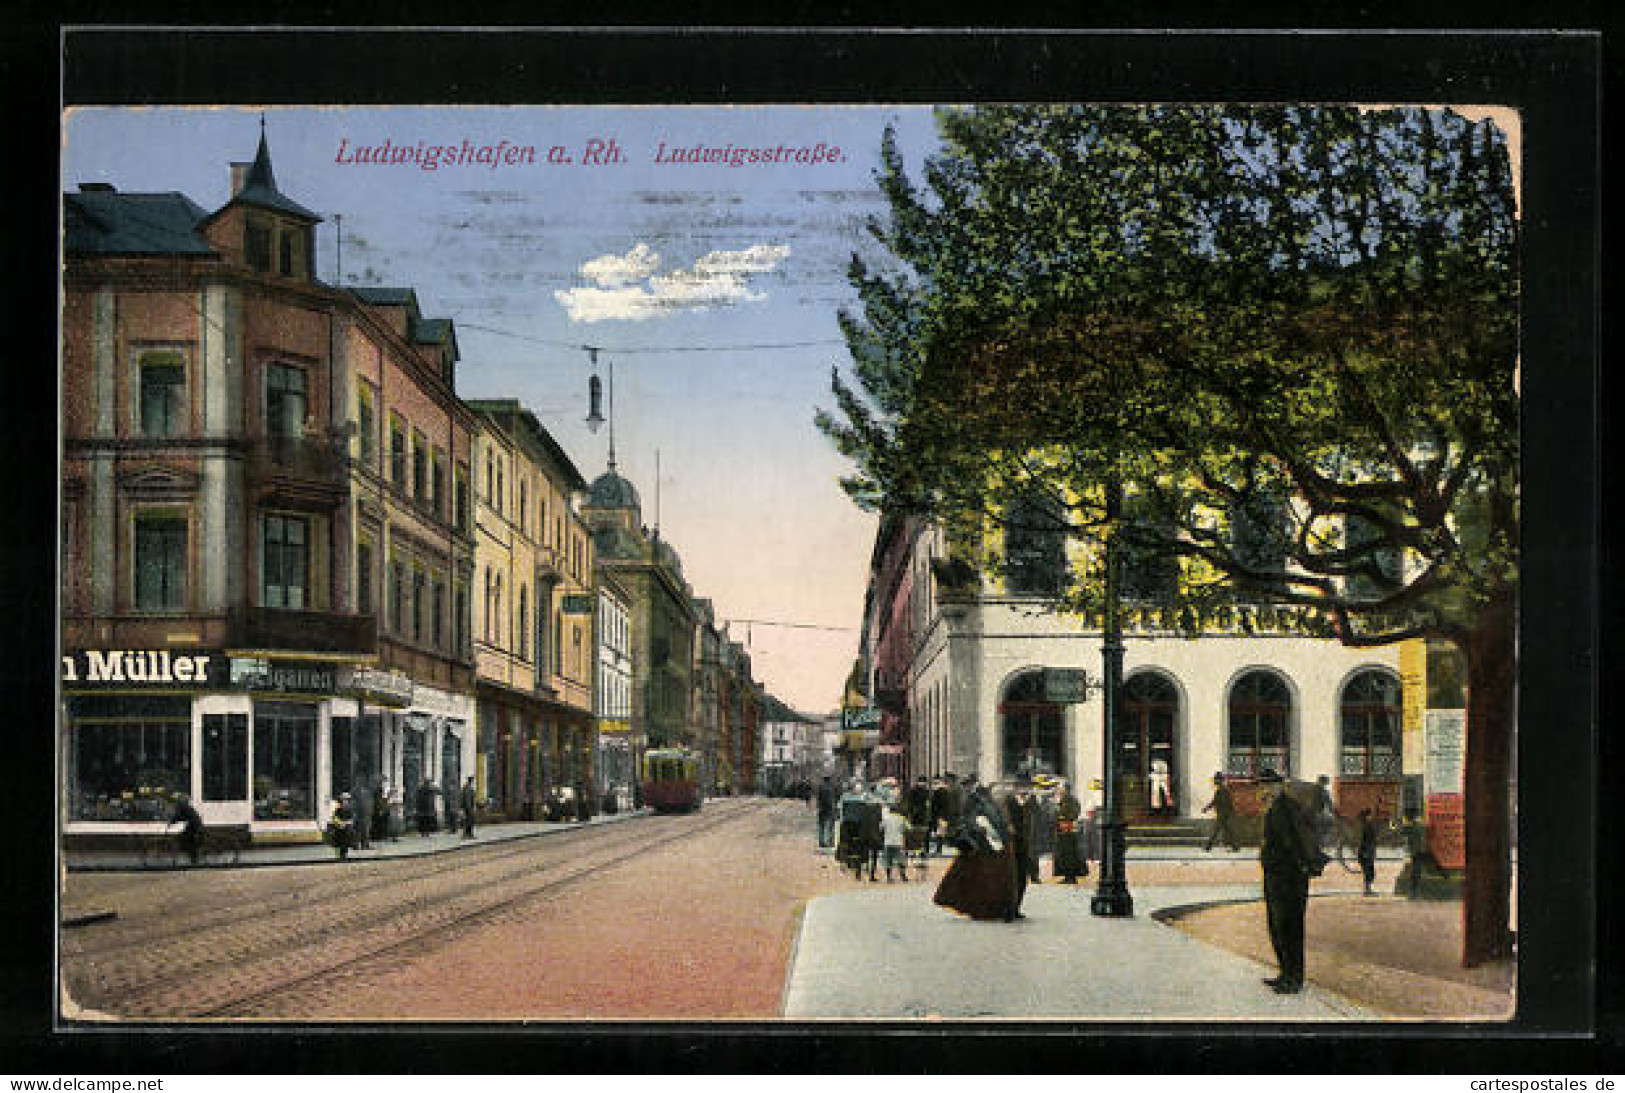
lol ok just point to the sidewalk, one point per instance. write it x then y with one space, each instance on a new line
889 953
410 845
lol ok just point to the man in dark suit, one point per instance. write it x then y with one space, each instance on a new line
1289 857
1023 813
826 812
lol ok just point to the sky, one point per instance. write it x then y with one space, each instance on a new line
714 289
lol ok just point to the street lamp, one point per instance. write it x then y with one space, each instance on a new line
1112 898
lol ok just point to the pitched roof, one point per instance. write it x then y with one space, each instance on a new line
259 187
104 221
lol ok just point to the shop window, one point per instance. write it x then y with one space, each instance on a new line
285 401
1370 719
160 562
163 394
131 755
1032 738
1260 716
286 561
225 757
284 761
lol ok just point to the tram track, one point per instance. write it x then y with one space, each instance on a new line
340 886
204 975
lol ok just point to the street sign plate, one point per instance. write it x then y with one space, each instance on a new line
1065 685
577 603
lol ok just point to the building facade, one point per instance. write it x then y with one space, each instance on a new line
223 597
661 609
535 650
1234 700
617 772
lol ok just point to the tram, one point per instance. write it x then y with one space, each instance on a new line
671 780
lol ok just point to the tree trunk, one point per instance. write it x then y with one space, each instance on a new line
1491 717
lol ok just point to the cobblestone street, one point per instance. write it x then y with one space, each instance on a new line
683 917
666 916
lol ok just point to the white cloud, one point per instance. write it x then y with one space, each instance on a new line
611 270
718 279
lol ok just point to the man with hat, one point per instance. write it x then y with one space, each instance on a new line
1022 811
341 825
1289 857
1223 807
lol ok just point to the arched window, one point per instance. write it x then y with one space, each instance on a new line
1032 738
1260 716
1370 712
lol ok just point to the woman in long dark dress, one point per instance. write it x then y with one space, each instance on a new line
1069 860
982 881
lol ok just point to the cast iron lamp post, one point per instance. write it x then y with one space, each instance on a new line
1112 898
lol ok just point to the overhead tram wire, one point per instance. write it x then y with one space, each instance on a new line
560 344
749 623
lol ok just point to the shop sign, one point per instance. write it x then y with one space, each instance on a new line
259 674
1447 829
435 701
374 685
84 668
863 717
1444 734
1066 686
576 603
610 726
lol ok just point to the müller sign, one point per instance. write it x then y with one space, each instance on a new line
147 667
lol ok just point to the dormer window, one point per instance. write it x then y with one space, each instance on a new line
257 246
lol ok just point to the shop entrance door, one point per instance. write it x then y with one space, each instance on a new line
1147 761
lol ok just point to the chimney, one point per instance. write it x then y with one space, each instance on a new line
239 171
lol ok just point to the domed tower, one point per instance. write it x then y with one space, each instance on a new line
614 513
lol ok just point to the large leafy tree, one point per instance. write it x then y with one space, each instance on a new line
1286 336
